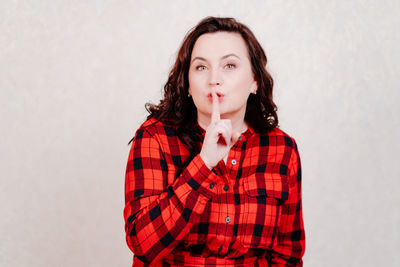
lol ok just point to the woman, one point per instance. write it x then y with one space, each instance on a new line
210 179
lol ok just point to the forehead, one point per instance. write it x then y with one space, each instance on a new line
217 44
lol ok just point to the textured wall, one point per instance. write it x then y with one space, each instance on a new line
74 77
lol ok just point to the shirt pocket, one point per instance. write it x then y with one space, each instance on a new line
263 196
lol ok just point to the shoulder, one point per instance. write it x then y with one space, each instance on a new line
286 146
280 137
155 128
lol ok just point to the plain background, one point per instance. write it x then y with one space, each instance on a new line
74 78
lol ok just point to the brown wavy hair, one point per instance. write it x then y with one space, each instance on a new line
177 108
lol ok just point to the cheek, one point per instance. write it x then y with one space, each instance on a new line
194 83
240 86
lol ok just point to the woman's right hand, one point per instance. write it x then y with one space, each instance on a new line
218 138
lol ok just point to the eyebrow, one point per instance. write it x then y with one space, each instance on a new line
223 57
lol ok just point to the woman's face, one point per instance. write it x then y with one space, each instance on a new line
220 60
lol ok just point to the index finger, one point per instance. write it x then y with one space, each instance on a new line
215 116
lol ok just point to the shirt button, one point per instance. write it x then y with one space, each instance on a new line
228 219
240 138
212 185
220 249
233 162
226 187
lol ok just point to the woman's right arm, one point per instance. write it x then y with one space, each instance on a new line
157 215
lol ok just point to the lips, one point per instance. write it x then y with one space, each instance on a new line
220 96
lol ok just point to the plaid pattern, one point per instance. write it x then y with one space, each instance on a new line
246 212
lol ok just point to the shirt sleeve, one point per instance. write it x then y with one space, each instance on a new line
158 215
291 236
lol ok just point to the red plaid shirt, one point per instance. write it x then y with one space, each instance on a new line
246 212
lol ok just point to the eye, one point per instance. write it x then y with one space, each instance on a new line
200 67
230 66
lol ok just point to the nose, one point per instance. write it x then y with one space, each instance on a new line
215 77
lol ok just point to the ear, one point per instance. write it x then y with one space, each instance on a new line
253 87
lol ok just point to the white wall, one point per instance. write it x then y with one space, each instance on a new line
74 78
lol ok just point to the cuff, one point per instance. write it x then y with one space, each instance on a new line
200 177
